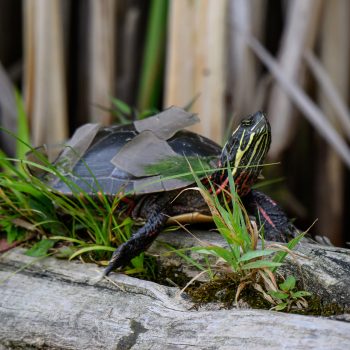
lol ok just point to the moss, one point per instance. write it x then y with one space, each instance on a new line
318 307
223 290
171 276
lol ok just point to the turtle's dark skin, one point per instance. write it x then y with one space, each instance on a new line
140 160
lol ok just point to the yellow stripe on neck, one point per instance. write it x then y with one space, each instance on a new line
241 152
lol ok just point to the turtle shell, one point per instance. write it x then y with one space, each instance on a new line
147 156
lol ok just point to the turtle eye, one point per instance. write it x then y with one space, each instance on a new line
246 122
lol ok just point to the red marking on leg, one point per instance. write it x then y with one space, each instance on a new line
271 201
205 183
128 200
130 204
267 218
222 186
244 183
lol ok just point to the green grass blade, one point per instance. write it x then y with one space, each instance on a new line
259 264
22 129
153 57
280 256
219 252
41 248
90 249
253 254
68 239
185 257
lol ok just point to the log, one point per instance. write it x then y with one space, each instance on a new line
54 304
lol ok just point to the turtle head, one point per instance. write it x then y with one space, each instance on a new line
245 151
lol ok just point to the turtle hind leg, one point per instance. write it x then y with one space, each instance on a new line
269 214
138 243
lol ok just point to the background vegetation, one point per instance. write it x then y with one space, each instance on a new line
288 58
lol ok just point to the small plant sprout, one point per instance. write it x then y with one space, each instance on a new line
287 297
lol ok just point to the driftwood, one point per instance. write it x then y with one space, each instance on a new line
51 303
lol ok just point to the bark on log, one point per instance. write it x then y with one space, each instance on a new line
53 304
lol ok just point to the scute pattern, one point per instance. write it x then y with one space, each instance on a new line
96 170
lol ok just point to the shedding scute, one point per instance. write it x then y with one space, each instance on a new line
76 147
146 148
142 157
165 124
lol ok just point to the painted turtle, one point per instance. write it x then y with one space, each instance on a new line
139 159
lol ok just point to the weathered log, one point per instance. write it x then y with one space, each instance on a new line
54 304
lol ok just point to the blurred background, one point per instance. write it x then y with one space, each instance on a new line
290 58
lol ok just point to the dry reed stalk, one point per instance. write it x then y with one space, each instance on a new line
44 80
310 110
196 61
8 112
299 34
128 58
330 180
102 40
331 93
249 17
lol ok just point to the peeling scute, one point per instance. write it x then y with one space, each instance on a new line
165 124
76 147
158 184
42 155
148 156
146 148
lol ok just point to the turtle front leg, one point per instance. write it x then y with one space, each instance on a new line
138 243
269 214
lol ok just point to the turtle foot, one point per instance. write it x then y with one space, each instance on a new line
270 215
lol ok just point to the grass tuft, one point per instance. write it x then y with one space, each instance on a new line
85 222
241 260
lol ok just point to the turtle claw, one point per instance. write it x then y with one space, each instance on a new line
120 257
324 240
